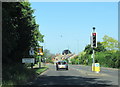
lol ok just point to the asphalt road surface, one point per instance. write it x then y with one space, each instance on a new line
77 75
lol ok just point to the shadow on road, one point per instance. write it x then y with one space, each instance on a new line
70 81
39 68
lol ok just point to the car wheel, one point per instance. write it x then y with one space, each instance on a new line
66 68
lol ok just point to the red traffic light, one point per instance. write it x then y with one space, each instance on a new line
94 39
94 34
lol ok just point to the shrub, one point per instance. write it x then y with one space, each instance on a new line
17 74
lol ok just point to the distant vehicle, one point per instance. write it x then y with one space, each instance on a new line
61 65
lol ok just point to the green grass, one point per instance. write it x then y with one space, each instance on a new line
41 70
19 75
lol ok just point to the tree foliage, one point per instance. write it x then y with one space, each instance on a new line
106 53
48 56
110 43
108 59
100 48
20 31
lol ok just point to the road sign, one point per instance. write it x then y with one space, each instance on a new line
40 50
31 51
28 60
40 53
96 67
96 64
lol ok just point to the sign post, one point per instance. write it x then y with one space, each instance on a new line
40 53
31 52
29 60
39 61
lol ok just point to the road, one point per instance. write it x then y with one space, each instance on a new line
77 75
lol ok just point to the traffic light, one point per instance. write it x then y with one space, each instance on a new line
94 39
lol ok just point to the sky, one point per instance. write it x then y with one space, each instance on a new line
68 25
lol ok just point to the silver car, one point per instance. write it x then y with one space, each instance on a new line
61 65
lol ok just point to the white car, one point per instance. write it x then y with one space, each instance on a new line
61 65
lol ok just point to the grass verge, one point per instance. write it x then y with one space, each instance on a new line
13 76
41 70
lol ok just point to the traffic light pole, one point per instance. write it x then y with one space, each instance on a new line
93 65
93 56
93 59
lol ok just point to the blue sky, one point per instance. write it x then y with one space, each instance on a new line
68 25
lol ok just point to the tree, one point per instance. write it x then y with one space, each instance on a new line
47 53
100 48
72 61
48 56
110 43
106 53
20 31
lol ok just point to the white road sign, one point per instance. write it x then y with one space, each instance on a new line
31 51
97 65
28 60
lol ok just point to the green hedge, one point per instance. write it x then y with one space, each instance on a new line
106 59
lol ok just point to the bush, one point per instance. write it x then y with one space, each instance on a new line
17 74
108 59
72 61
